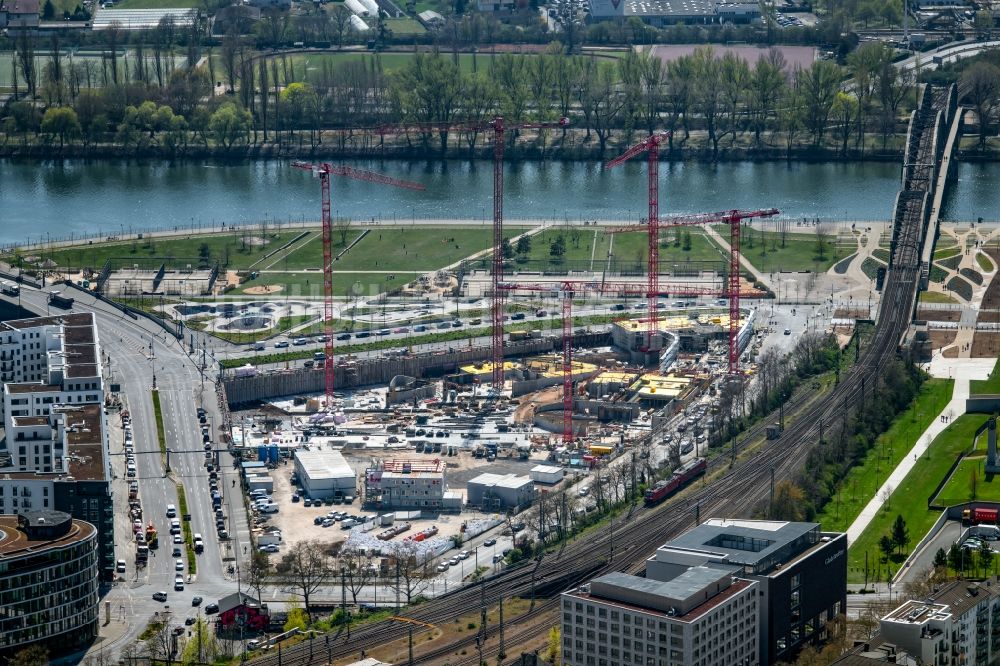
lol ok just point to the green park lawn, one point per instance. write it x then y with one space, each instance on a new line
984 262
391 248
763 249
306 285
944 253
909 499
959 488
987 386
865 478
240 249
935 297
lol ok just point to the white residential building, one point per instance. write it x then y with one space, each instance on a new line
957 625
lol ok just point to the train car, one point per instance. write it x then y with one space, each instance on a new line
680 478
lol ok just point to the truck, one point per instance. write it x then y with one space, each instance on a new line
60 301
151 539
9 288
980 516
245 371
598 450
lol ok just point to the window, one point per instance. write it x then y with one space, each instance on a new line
796 580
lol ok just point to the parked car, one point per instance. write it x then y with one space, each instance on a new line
196 601
211 608
159 596
179 583
269 548
490 542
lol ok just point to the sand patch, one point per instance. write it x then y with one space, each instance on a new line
263 290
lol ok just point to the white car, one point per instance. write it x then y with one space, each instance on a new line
178 565
442 567
269 548
179 583
464 555
178 539
171 511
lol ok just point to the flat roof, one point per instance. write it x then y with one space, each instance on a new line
31 387
677 589
324 464
15 543
747 542
670 7
84 425
30 420
74 319
738 586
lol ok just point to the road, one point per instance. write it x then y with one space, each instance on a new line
137 364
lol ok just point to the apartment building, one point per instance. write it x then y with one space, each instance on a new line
702 616
37 548
957 625
55 454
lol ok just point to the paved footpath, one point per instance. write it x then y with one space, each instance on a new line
961 370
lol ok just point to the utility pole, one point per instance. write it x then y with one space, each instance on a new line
770 508
410 660
502 654
343 599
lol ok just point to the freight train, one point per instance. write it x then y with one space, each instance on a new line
682 476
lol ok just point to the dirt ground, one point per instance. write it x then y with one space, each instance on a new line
986 344
941 339
845 313
927 314
525 411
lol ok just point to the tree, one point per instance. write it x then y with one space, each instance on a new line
981 81
408 575
789 502
202 645
309 568
845 110
61 121
297 619
940 559
553 647
523 244
342 225
820 84
900 533
48 11
506 249
686 242
257 571
230 124
356 571
886 545
36 655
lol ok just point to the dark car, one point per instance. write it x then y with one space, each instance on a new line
490 542
211 608
344 336
196 601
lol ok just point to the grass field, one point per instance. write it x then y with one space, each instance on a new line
299 285
864 479
935 297
988 385
91 59
910 498
240 249
984 262
764 251
630 248
959 488
393 248
944 253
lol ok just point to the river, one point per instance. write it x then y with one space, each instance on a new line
60 198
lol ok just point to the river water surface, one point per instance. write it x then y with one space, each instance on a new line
60 198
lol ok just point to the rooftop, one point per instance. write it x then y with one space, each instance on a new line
84 430
75 319
15 543
691 615
20 6
30 420
323 464
758 544
917 612
670 7
31 387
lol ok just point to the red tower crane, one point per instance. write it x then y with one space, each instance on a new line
498 127
566 290
651 146
324 170
731 217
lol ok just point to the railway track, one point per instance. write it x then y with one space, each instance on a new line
743 487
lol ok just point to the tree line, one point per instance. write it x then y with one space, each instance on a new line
706 102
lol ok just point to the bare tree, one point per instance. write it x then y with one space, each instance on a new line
257 571
357 571
26 61
309 568
408 573
114 35
343 227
